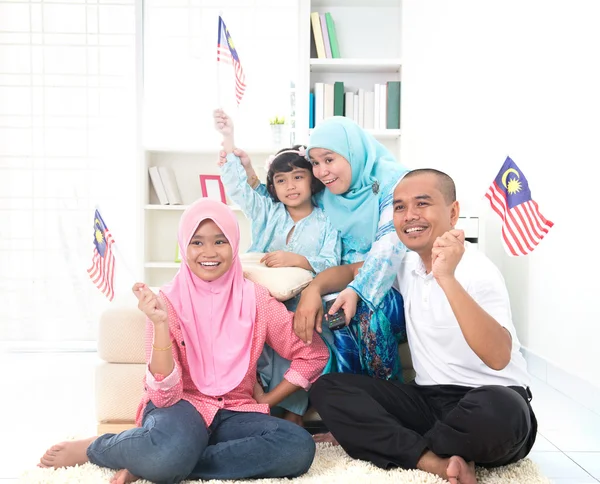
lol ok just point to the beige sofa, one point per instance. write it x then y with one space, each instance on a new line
119 375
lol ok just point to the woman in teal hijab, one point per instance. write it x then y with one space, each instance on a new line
360 175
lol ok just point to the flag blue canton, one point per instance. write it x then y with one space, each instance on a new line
99 234
510 176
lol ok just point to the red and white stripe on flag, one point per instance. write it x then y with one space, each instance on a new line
224 55
523 226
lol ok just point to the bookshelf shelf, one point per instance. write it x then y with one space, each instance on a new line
382 134
161 265
200 151
355 3
180 208
356 65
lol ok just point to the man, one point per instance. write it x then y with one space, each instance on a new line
469 403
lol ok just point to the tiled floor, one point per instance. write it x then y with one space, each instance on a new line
46 397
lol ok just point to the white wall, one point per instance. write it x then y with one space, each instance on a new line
483 80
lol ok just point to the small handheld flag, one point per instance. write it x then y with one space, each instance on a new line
523 225
102 271
227 54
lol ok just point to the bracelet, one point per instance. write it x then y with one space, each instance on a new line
162 349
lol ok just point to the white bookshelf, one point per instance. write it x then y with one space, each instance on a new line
369 35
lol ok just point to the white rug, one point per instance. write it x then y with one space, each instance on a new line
331 465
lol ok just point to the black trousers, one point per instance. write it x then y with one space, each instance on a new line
391 424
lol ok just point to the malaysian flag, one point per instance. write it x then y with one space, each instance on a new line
523 226
102 272
226 53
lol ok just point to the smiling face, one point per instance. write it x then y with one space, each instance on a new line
293 188
422 212
209 254
332 169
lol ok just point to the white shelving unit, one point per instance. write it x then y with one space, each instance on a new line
370 41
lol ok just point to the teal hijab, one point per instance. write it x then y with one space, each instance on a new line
356 213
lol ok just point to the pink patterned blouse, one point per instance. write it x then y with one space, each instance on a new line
273 326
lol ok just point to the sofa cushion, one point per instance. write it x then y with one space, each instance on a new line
283 283
119 390
121 335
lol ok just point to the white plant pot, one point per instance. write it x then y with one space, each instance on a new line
278 135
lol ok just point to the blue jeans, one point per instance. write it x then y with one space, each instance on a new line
174 444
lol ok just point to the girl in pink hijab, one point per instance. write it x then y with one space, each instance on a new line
199 417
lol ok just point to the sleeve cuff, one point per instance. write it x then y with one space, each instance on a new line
297 379
160 382
231 157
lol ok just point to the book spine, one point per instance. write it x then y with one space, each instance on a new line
393 105
338 99
349 106
325 35
318 34
319 102
311 110
335 48
170 183
328 101
157 183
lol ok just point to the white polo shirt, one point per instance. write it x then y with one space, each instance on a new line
440 353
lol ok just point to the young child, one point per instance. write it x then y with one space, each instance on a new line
287 226
206 329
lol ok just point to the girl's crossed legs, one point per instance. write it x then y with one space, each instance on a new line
174 444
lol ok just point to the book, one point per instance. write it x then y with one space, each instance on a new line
393 105
311 110
313 46
158 186
338 98
335 48
318 34
319 102
369 110
382 106
170 183
328 101
325 35
361 108
349 105
376 108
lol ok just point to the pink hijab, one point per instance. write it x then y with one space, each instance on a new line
217 318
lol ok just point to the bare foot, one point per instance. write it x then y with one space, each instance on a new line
293 417
327 438
459 472
123 477
67 454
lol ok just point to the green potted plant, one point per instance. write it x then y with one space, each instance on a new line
277 127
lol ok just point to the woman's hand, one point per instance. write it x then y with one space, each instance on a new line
308 315
150 304
241 154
